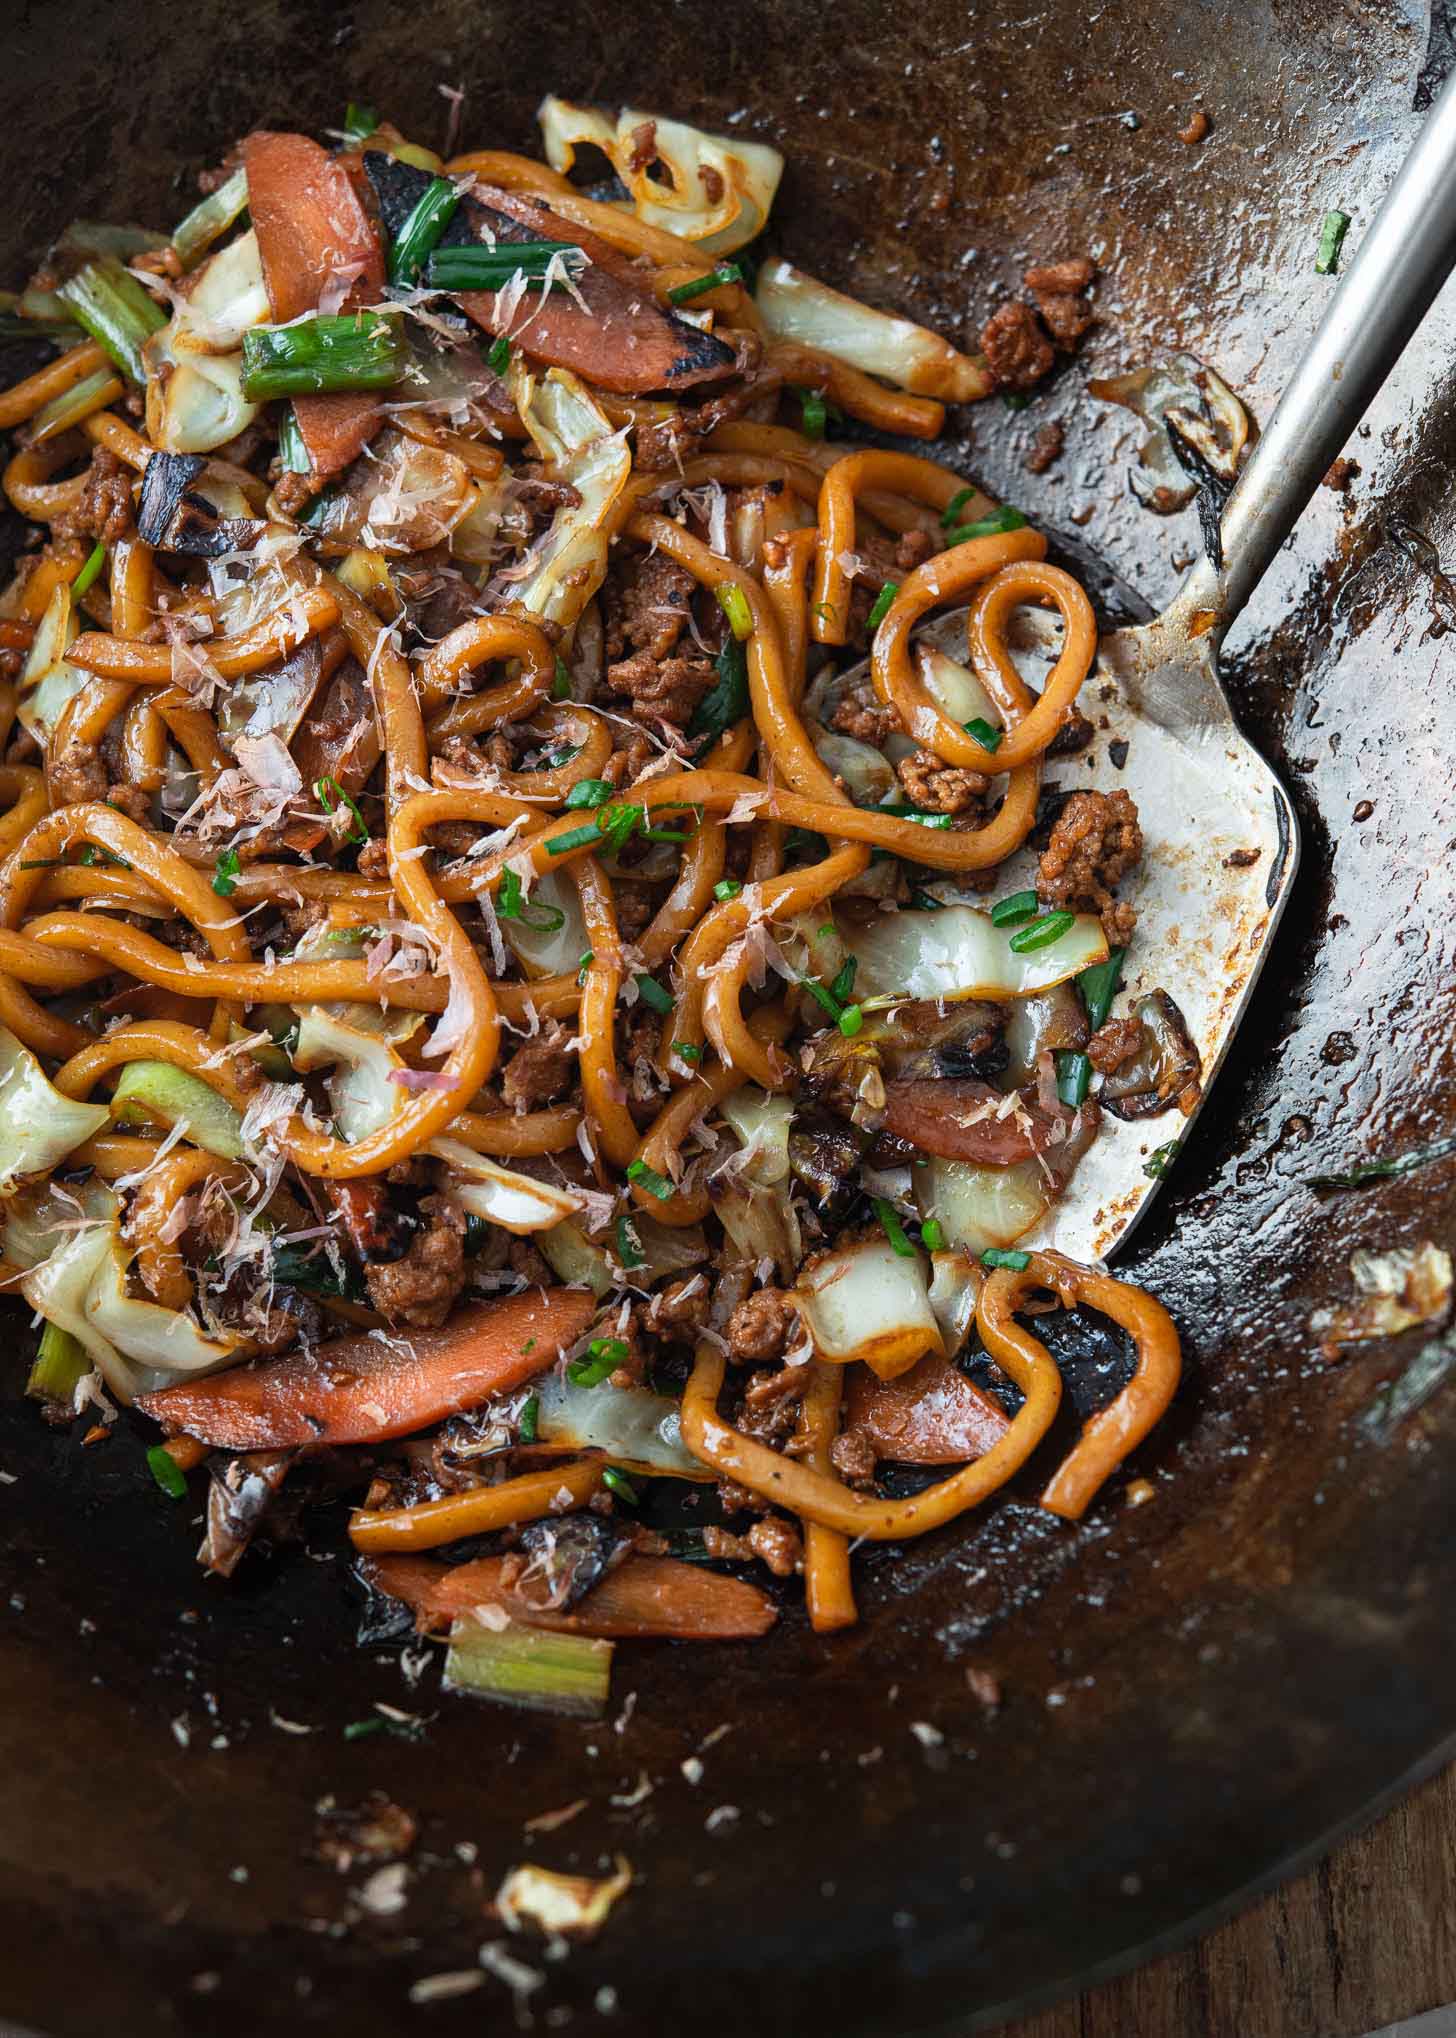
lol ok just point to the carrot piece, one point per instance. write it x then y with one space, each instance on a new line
932 1415
311 228
432 1522
361 1389
643 1597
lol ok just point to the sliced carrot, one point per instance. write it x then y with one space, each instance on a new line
618 336
643 1597
312 227
932 1415
361 1389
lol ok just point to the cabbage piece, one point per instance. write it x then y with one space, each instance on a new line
194 365
400 497
515 1202
57 1290
47 681
144 1331
797 307
957 953
574 1259
751 1190
866 1302
870 778
392 1024
1200 405
953 1297
153 1092
575 439
38 1126
721 188
361 1093
763 1123
638 1430
549 951
954 687
978 1206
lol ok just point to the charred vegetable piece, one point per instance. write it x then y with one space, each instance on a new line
565 1558
358 1390
175 518
932 1415
1166 1070
241 1493
826 1158
971 1121
312 227
644 1596
609 328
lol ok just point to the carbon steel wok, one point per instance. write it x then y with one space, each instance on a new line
1199 1692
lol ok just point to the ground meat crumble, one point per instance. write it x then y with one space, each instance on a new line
419 1291
1096 840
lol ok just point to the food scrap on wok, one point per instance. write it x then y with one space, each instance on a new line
498 1023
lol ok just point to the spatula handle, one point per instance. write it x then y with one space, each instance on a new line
1379 301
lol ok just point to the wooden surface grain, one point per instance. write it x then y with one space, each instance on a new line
1367 1937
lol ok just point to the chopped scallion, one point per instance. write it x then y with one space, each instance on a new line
359 123
954 507
1074 1077
814 413
1333 228
589 792
526 1420
894 1230
842 984
652 993
726 272
1098 986
210 219
420 235
61 1363
561 684
932 1235
499 358
345 350
331 796
574 838
292 453
727 888
734 604
881 608
482 268
115 310
89 573
533 1668
851 1020
629 1245
994 526
584 963
600 1359
1042 933
616 1481
648 1178
728 702
687 1050
225 873
167 1472
982 732
1160 1160
1004 1256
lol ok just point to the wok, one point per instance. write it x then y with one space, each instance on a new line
1199 1693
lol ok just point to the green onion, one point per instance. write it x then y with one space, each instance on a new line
225 873
359 123
932 1235
108 301
999 521
589 792
1160 1160
510 905
91 856
648 1178
315 1273
629 1245
851 1020
687 1050
842 983
954 507
420 235
526 1420
1333 229
734 604
1042 933
1015 399
1074 1077
360 1730
726 272
481 268
349 350
893 1228
728 701
584 963
167 1472
663 835
1003 1256
1391 1165
651 993
727 888
499 359
822 995
508 895
988 737
535 1668
43 863
292 453
73 405
331 795
90 573
209 220
600 1359
881 608
1098 986
815 413
61 1363
574 838
616 1481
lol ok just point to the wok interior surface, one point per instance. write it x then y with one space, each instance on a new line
1195 1690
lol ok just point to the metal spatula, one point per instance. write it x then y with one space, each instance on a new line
1222 844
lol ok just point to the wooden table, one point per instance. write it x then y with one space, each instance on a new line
1367 1937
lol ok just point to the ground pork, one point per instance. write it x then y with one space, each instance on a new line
759 1327
1096 841
539 1072
529 1264
646 607
1046 448
1058 292
681 1308
663 691
771 1400
773 1541
938 788
628 763
104 510
860 715
420 1290
1118 1041
853 1457
1017 351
